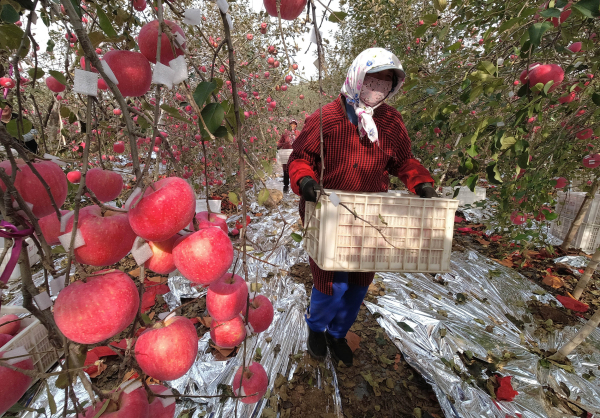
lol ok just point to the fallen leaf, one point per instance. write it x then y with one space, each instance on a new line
505 391
96 370
553 281
396 361
572 304
205 320
482 241
458 219
158 279
221 353
134 273
506 262
353 341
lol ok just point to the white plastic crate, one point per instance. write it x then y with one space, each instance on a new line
569 203
465 195
34 257
420 231
33 337
283 155
215 206
587 238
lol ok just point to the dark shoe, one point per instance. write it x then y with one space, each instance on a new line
286 189
317 346
340 351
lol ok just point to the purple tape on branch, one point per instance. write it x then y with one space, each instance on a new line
8 230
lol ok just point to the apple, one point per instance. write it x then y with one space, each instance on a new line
108 238
206 221
90 312
119 147
102 84
54 85
518 218
301 97
147 41
4 338
122 404
31 188
116 112
270 60
226 297
260 314
575 47
7 83
132 71
161 261
157 408
13 384
568 98
288 79
295 66
544 73
74 176
585 133
524 75
105 184
13 327
168 349
591 161
50 226
267 74
204 256
249 36
165 209
139 5
254 382
228 334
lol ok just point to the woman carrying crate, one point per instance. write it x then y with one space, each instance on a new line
364 142
285 142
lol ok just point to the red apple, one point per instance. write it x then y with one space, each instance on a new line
13 327
139 5
204 256
302 97
7 83
254 382
102 84
228 334
105 184
585 133
167 350
54 85
226 297
4 338
288 79
260 314
13 384
127 405
90 312
132 70
518 218
161 261
148 38
157 407
119 147
560 182
31 188
165 209
206 221
575 47
249 36
108 238
544 73
74 176
50 226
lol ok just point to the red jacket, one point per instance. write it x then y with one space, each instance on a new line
353 164
287 139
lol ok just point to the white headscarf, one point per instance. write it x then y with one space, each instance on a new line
369 61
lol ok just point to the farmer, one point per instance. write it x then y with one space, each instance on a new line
29 138
364 142
285 142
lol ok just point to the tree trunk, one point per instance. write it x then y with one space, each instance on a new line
587 275
583 210
578 338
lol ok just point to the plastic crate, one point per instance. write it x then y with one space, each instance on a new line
420 230
34 257
283 155
587 238
569 203
33 337
465 195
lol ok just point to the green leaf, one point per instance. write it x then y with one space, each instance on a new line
548 86
12 128
488 66
461 298
64 112
263 196
454 46
143 123
35 73
536 32
77 6
59 76
59 249
221 132
588 8
10 36
596 99
97 38
50 45
405 326
443 32
51 401
337 17
146 319
472 182
173 112
101 411
105 23
508 24
553 12
9 14
233 198
296 237
318 206
493 174
203 91
213 115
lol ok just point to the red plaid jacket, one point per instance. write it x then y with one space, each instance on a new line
287 139
353 164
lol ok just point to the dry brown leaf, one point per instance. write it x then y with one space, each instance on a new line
151 315
221 353
100 368
554 281
134 273
353 341
157 279
482 241
205 320
396 361
128 375
506 262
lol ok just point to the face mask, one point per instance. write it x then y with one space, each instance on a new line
374 91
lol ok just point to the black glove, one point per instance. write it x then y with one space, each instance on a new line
426 190
308 188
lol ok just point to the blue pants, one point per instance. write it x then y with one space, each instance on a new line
336 313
